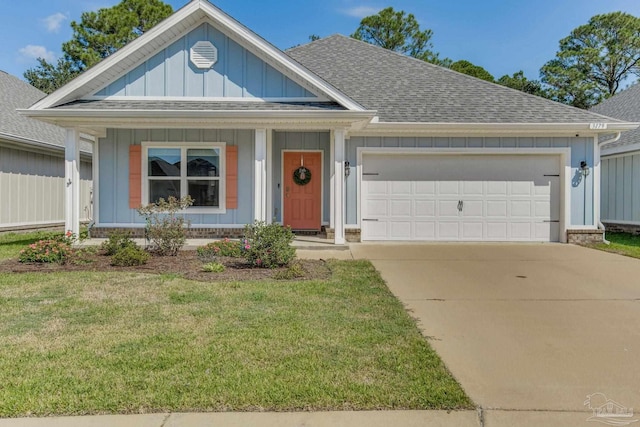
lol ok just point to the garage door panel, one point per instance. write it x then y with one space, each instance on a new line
401 229
449 188
401 208
448 230
520 231
425 208
425 188
425 230
473 230
497 188
497 231
472 188
496 209
401 188
448 208
521 188
502 198
521 208
377 207
473 208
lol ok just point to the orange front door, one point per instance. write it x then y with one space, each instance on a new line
302 202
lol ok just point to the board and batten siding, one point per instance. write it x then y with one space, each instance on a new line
620 200
238 73
292 141
32 188
114 173
581 149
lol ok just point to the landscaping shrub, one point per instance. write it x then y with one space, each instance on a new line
117 240
46 251
129 257
166 231
226 247
294 271
213 267
268 245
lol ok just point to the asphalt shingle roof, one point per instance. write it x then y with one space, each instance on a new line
200 105
404 89
14 94
624 106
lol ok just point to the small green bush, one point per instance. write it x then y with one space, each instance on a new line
268 245
83 256
129 257
46 251
294 271
117 240
166 231
226 248
213 267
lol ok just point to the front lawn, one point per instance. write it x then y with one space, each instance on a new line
92 342
621 243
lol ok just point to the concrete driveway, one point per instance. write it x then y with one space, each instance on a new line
529 330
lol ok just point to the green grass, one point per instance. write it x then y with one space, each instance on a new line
87 343
12 243
621 243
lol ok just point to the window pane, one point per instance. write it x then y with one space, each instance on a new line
204 193
164 161
164 189
203 162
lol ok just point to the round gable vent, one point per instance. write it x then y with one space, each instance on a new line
204 55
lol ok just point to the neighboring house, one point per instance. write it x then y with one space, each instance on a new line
339 134
621 165
32 167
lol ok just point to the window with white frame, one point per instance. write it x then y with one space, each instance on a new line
197 171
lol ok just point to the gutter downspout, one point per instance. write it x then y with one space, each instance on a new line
600 144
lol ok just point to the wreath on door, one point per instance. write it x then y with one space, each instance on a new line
302 176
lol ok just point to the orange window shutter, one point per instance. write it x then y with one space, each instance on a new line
232 177
135 176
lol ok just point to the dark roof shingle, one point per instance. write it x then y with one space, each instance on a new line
404 89
624 106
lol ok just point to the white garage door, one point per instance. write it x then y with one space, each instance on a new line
461 197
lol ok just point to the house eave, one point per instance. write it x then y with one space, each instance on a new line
18 142
624 149
491 129
202 119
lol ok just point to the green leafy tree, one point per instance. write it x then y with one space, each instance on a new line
400 32
519 82
98 35
470 69
594 60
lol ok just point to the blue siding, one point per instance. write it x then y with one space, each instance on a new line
620 199
238 73
581 149
114 172
300 141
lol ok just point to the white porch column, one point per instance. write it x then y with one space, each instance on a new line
596 172
260 175
72 181
339 208
269 172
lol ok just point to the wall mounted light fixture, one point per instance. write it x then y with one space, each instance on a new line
584 168
347 169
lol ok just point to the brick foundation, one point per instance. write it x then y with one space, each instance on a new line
350 234
622 228
192 233
581 237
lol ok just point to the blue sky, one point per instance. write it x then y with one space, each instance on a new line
503 36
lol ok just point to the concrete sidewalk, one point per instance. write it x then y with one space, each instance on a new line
262 419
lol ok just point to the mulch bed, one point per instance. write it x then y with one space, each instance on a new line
186 264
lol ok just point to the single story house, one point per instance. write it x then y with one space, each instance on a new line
620 203
32 166
336 134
